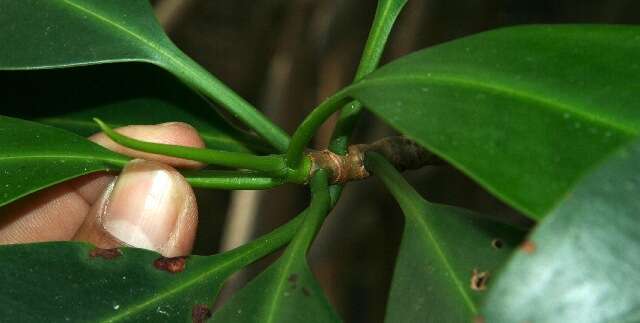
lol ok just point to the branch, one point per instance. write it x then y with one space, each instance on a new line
401 152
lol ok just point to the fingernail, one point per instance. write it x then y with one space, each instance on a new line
169 124
176 124
144 205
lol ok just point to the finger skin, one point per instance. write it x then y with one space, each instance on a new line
52 214
149 206
172 133
56 213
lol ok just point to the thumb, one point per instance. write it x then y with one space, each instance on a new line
149 205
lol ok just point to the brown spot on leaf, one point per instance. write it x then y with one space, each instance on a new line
479 280
478 319
172 265
528 246
306 291
293 278
200 313
497 243
107 254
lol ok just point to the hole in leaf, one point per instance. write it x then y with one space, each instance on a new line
497 243
479 280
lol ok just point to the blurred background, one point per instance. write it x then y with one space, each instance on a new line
286 56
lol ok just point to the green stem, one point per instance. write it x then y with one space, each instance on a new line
273 164
393 180
197 77
386 14
301 232
307 129
230 180
316 212
266 244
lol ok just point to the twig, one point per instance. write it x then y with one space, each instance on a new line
401 152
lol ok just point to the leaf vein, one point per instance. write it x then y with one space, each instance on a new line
498 88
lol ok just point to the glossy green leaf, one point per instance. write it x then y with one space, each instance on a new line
581 264
59 33
525 111
74 282
70 98
35 156
284 292
287 291
63 33
447 259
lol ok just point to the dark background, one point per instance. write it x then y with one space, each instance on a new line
285 57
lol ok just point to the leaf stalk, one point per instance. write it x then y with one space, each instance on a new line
197 77
272 164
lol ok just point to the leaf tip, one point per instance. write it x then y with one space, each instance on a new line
101 124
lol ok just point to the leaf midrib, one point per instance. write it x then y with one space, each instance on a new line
211 266
413 207
451 79
414 213
149 43
506 91
219 269
64 157
280 283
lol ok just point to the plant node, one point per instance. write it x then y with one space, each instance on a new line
401 152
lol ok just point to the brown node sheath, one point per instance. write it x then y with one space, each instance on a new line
401 152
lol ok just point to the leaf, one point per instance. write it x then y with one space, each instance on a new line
35 156
287 291
284 292
65 33
74 282
70 98
62 33
447 258
63 282
525 111
581 263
